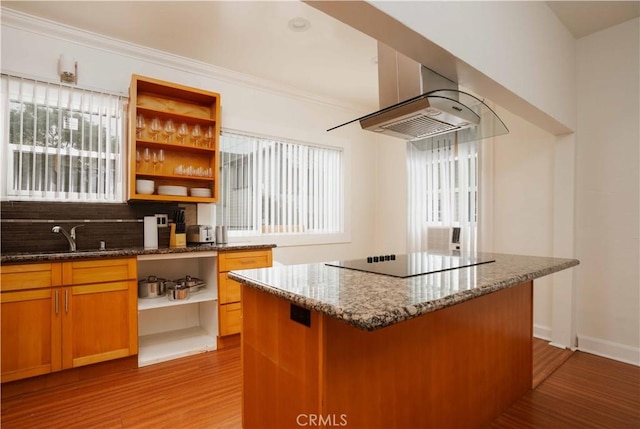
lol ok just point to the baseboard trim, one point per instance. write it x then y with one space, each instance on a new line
609 349
542 332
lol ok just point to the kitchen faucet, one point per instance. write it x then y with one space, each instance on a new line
71 237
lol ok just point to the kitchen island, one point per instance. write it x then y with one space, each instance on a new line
328 346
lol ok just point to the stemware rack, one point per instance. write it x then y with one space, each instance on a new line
191 162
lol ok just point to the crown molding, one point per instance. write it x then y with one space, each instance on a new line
52 29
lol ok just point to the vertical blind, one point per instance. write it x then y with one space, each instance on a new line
270 186
443 190
62 142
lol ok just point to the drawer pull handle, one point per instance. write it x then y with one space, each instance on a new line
247 261
66 300
57 303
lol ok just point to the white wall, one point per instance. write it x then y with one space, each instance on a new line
391 207
522 208
32 47
608 192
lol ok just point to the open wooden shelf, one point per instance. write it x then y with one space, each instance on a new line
178 117
153 98
173 146
154 176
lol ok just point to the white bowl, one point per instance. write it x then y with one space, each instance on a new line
172 190
145 187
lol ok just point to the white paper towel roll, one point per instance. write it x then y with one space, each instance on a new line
150 232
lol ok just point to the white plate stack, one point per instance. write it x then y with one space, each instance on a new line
172 190
201 192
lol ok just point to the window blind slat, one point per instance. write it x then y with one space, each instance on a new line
290 187
51 154
442 190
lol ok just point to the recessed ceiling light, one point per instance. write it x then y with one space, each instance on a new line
299 24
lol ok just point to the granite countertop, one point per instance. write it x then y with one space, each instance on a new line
372 301
15 258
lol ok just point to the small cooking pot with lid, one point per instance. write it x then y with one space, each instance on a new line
177 292
193 283
188 281
152 287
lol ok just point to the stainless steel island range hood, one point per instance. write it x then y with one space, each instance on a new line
417 103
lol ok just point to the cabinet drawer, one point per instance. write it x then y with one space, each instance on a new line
242 260
230 320
228 289
100 271
30 276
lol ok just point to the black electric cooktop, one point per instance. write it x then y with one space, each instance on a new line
412 264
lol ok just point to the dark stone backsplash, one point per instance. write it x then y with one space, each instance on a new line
37 237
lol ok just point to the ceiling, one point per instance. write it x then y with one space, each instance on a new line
330 59
587 17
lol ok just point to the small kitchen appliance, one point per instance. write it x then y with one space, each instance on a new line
200 234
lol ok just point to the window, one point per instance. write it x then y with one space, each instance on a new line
443 189
271 186
62 143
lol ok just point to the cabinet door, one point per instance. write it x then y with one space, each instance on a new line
230 319
30 332
228 289
244 259
99 323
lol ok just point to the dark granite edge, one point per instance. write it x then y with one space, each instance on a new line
18 258
401 314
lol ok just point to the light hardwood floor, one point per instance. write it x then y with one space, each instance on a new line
203 391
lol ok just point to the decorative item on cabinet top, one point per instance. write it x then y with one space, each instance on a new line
173 140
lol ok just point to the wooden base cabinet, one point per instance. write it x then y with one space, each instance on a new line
458 367
67 314
31 320
229 304
100 317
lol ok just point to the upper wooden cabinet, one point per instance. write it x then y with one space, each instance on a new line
174 133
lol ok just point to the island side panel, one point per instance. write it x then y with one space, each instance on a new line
461 366
281 363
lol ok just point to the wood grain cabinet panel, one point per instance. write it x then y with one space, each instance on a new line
30 329
458 367
100 271
30 276
230 318
229 301
67 314
229 289
244 260
100 318
100 323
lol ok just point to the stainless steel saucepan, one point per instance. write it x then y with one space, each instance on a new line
152 287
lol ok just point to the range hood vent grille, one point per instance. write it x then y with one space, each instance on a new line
419 126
